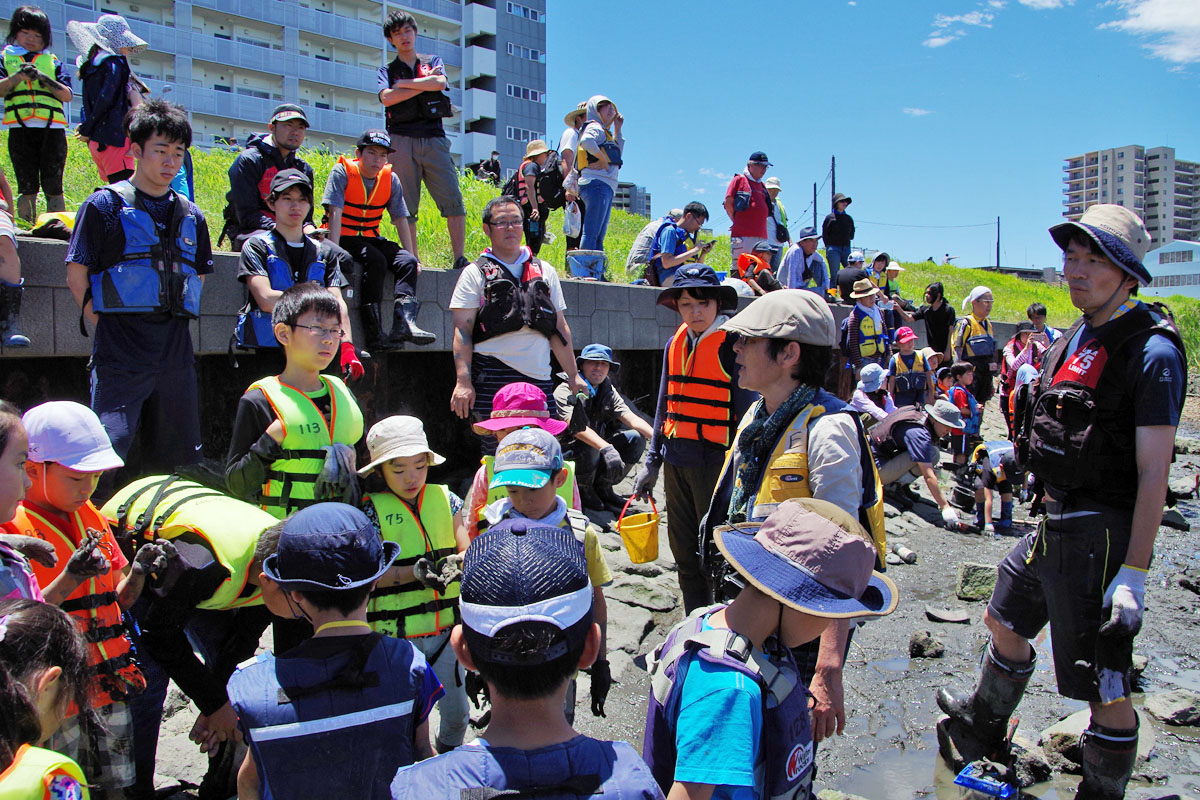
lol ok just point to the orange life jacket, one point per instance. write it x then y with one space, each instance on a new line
115 676
699 391
362 213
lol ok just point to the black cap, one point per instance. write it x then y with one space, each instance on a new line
287 178
759 157
285 111
376 138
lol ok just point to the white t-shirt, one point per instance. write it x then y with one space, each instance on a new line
569 141
526 350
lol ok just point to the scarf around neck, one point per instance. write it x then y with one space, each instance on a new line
756 442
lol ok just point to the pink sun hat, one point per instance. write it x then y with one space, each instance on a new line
518 405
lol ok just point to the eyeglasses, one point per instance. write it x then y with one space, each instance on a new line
322 332
506 223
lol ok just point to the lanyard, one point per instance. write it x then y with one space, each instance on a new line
342 623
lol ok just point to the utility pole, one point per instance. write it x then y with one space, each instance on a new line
997 244
814 205
832 178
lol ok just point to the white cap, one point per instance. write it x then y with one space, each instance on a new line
398 437
70 434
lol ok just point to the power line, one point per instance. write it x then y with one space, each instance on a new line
897 225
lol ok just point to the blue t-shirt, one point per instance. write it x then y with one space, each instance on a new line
672 241
134 342
918 441
718 727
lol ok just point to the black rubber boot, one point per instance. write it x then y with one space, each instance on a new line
10 315
986 710
589 498
404 323
1109 755
368 314
612 501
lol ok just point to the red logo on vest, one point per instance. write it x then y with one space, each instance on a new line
1085 366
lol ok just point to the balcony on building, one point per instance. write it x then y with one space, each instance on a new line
478 20
479 61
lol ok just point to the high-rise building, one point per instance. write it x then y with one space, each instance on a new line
632 198
230 62
1151 182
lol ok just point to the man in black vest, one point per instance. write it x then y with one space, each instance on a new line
413 92
1105 474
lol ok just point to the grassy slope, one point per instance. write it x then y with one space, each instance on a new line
1012 294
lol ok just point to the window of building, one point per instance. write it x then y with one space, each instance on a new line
1120 155
1121 179
526 12
520 51
523 135
525 93
1120 167
1178 257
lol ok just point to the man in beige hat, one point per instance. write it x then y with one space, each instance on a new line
797 441
532 204
778 235
1105 472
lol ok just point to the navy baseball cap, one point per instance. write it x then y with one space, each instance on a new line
697 276
598 352
376 137
285 111
329 546
520 571
759 157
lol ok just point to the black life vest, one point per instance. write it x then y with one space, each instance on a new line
882 441
422 107
1082 412
509 306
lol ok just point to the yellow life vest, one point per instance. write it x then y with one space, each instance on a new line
410 610
977 340
166 507
29 101
290 479
870 340
32 772
786 476
909 380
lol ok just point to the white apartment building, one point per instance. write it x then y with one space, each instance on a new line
230 62
1163 191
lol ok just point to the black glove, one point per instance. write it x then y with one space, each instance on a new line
476 688
601 683
166 569
579 420
429 577
31 547
88 561
643 484
614 467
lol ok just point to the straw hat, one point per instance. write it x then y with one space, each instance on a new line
536 148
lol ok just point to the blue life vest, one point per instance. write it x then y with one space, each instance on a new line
254 328
579 768
333 727
785 742
975 416
155 273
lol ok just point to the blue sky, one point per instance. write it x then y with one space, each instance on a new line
946 113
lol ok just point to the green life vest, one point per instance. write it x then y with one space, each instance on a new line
32 101
31 772
409 610
290 479
165 507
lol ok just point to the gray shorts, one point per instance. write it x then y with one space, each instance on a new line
428 160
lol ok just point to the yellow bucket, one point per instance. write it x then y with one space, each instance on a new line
639 532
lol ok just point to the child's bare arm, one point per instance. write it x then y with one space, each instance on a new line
422 748
6 190
247 779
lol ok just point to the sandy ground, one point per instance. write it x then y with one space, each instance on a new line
889 748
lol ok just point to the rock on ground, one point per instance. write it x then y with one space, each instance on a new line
923 644
1176 707
975 581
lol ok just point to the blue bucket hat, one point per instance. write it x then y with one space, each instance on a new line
812 556
329 546
598 352
1118 232
698 276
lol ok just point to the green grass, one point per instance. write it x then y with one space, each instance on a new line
1013 295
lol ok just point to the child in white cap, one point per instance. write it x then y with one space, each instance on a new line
417 598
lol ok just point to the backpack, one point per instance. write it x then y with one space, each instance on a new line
844 335
550 182
880 436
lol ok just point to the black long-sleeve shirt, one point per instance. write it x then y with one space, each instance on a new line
251 450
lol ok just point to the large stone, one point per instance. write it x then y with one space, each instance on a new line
642 594
1176 707
1063 737
627 627
975 581
650 570
1190 580
1184 488
1029 762
923 644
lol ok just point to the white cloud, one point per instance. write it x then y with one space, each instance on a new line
700 190
938 41
997 4
851 3
708 172
1172 27
1042 5
917 112
942 23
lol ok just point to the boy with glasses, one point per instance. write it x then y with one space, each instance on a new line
294 433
